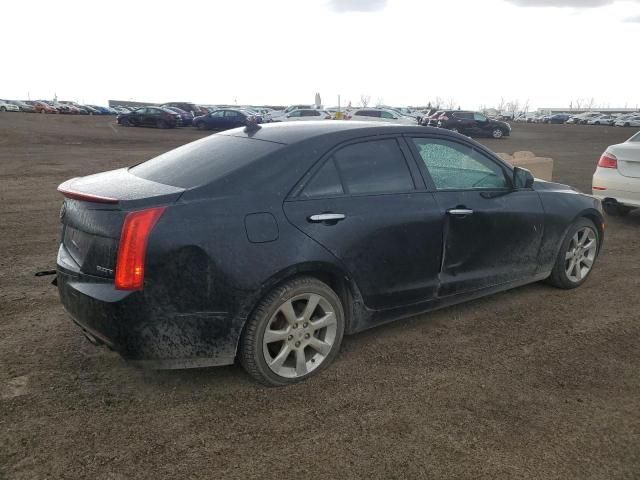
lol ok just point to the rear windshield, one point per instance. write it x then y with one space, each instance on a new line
199 163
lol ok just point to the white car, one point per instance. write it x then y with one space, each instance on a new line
379 115
617 178
603 119
628 121
8 107
278 115
305 114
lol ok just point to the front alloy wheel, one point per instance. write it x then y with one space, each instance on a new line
577 255
497 133
294 333
581 254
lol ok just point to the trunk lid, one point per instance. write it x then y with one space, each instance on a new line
93 213
628 155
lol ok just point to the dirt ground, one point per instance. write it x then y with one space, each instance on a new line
533 383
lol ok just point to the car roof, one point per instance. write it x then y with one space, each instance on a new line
294 132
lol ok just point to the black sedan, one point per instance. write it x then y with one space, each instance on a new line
226 119
268 244
473 124
159 117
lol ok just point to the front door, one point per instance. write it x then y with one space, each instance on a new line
368 207
492 232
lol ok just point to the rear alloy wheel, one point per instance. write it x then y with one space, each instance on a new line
577 255
295 332
497 133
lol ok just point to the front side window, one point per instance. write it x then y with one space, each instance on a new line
296 113
479 117
385 114
454 166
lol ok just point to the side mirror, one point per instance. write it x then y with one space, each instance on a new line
522 178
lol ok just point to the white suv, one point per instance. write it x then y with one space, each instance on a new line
616 180
305 114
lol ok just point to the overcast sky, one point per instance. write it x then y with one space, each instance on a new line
401 52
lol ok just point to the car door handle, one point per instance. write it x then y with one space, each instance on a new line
326 217
459 211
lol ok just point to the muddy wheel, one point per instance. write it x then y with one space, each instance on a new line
294 333
577 255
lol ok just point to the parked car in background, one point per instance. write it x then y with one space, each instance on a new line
616 180
473 124
628 121
379 115
277 115
558 118
7 106
187 117
602 119
42 107
431 120
224 119
150 117
23 106
188 107
306 115
305 233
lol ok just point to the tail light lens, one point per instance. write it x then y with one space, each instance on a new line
608 160
133 247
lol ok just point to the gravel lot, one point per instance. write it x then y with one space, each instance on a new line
532 383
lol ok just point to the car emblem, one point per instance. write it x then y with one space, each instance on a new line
63 210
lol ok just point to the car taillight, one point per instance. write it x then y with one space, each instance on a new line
133 247
608 160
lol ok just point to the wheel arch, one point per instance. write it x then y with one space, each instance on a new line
331 274
598 220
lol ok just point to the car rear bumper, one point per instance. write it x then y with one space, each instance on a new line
624 190
142 328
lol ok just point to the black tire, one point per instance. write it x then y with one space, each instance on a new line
615 209
250 351
497 133
559 277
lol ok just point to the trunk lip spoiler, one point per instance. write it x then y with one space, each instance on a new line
66 190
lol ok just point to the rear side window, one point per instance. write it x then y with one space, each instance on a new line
363 168
203 161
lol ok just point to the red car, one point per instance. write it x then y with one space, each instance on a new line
42 107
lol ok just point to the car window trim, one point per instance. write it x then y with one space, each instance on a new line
296 191
431 187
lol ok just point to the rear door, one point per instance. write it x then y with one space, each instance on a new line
368 206
492 233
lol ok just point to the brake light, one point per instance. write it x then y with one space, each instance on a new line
133 247
608 160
